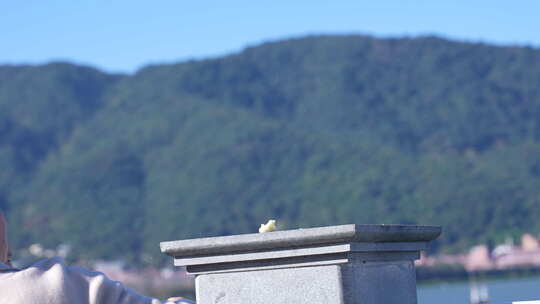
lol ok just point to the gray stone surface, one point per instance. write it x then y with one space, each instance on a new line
272 286
346 264
301 237
379 282
366 283
370 250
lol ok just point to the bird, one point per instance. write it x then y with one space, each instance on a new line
268 227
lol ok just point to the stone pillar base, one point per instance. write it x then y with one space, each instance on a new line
350 264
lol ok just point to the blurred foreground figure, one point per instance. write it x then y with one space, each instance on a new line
51 281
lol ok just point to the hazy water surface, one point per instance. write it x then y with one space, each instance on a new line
500 291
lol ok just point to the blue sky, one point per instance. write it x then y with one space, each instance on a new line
121 36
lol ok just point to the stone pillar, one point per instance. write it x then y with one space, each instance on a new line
348 264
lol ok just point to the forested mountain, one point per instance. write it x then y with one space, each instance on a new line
314 131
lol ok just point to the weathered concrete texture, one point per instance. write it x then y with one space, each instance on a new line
349 264
303 285
379 282
301 237
366 283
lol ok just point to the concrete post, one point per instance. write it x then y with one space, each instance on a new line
348 264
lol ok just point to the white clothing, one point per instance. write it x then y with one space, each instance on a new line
51 281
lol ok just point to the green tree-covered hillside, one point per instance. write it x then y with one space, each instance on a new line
313 131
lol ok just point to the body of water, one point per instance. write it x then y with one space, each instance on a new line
500 291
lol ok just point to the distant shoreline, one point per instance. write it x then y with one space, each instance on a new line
429 275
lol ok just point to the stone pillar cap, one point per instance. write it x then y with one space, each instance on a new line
353 233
